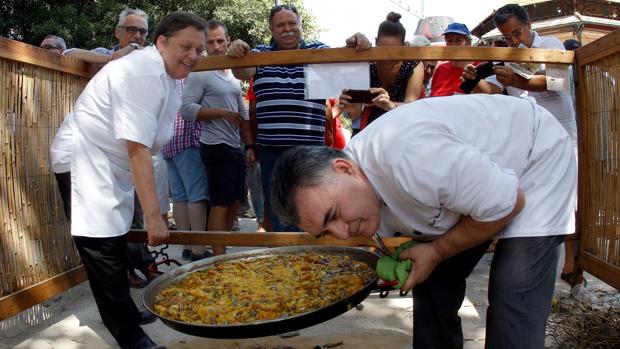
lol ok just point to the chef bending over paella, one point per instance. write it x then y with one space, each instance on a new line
465 169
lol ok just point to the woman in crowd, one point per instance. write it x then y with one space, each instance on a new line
393 82
124 115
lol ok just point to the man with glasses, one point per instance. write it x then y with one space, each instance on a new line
131 31
284 117
54 43
513 22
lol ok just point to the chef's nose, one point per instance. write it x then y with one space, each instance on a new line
338 229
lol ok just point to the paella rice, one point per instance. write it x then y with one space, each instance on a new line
261 289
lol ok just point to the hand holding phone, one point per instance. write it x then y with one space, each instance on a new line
361 96
483 71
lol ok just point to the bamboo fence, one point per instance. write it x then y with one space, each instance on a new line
35 241
599 159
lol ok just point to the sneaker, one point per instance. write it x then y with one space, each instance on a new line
186 254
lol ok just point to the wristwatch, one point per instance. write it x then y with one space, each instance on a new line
250 146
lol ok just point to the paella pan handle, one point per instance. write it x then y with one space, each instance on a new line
384 288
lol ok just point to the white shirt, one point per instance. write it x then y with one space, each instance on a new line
559 103
60 151
437 159
131 98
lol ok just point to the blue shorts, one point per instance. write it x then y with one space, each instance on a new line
188 177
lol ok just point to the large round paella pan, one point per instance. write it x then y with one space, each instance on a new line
258 328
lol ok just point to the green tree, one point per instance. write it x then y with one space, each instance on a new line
90 24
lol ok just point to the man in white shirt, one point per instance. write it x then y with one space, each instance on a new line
465 169
513 22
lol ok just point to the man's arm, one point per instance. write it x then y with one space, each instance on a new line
238 49
507 77
144 181
464 235
89 56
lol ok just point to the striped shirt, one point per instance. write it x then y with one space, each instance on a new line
284 117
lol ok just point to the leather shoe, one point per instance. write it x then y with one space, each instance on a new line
146 317
146 343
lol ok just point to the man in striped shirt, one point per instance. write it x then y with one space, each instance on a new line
284 117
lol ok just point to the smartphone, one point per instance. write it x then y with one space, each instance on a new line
361 96
483 71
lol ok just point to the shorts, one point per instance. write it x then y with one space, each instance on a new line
188 177
225 173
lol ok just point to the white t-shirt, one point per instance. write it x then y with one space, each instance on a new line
437 159
559 103
60 151
131 98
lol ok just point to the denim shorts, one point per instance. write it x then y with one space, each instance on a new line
188 177
225 171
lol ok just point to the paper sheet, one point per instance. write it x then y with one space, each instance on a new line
557 77
328 80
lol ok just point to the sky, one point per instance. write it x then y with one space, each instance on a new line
339 19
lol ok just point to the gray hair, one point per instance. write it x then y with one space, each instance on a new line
59 41
131 11
299 167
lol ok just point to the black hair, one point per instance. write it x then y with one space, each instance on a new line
571 44
499 43
177 21
214 24
299 167
392 27
504 13
279 8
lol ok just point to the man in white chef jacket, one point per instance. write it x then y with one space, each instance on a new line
465 169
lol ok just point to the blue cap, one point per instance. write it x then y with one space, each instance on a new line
457 28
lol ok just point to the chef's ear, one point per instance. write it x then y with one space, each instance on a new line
344 166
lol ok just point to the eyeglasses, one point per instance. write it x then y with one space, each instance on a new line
132 30
515 34
51 47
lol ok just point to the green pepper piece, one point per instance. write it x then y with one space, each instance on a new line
386 268
402 272
402 247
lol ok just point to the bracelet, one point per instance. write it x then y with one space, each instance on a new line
250 146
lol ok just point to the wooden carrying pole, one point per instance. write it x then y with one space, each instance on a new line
396 53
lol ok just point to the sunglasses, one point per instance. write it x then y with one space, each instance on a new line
132 30
279 8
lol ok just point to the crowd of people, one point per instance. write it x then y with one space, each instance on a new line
467 169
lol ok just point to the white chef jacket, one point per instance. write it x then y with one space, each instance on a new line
559 103
436 159
60 151
131 98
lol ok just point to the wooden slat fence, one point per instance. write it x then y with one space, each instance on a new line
599 158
